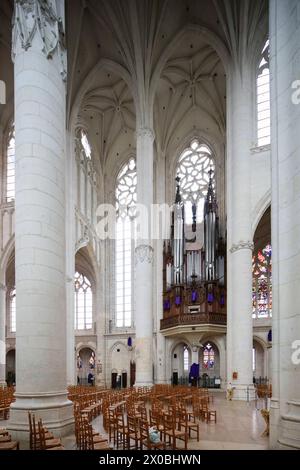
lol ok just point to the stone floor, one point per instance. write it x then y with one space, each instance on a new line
239 427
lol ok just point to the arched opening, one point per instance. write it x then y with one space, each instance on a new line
84 289
263 97
209 360
121 366
258 363
10 373
86 366
195 165
11 320
10 166
126 195
181 363
262 269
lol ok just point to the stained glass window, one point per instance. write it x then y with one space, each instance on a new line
185 358
10 167
12 308
193 169
85 144
263 98
262 283
83 303
124 243
208 357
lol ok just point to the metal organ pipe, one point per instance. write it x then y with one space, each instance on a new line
178 243
210 233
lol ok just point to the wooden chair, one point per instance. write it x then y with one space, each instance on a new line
145 438
189 424
90 440
121 431
132 433
46 444
11 445
208 415
211 416
156 419
112 425
170 431
34 436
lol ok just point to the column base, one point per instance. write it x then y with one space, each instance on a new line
289 427
242 392
55 410
274 420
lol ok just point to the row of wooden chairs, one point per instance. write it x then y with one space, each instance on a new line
174 423
264 390
6 398
5 441
39 436
86 437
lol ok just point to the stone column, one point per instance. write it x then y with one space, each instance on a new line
195 354
285 146
70 224
160 339
240 245
144 262
2 335
100 320
222 354
70 332
40 98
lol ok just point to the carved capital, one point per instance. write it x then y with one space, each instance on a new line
84 240
40 17
144 254
145 132
242 245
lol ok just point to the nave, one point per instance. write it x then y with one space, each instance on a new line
186 418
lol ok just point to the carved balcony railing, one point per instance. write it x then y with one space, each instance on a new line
193 319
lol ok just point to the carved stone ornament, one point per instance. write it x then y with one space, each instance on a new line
84 240
242 245
144 254
33 17
145 132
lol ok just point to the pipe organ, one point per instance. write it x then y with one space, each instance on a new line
194 268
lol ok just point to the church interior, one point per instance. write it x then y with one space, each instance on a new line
149 224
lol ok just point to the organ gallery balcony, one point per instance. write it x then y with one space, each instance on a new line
189 309
185 322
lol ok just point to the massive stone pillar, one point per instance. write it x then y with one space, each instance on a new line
40 98
285 151
2 335
144 261
240 245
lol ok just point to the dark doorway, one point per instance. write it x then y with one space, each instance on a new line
11 367
124 379
175 378
114 379
132 373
